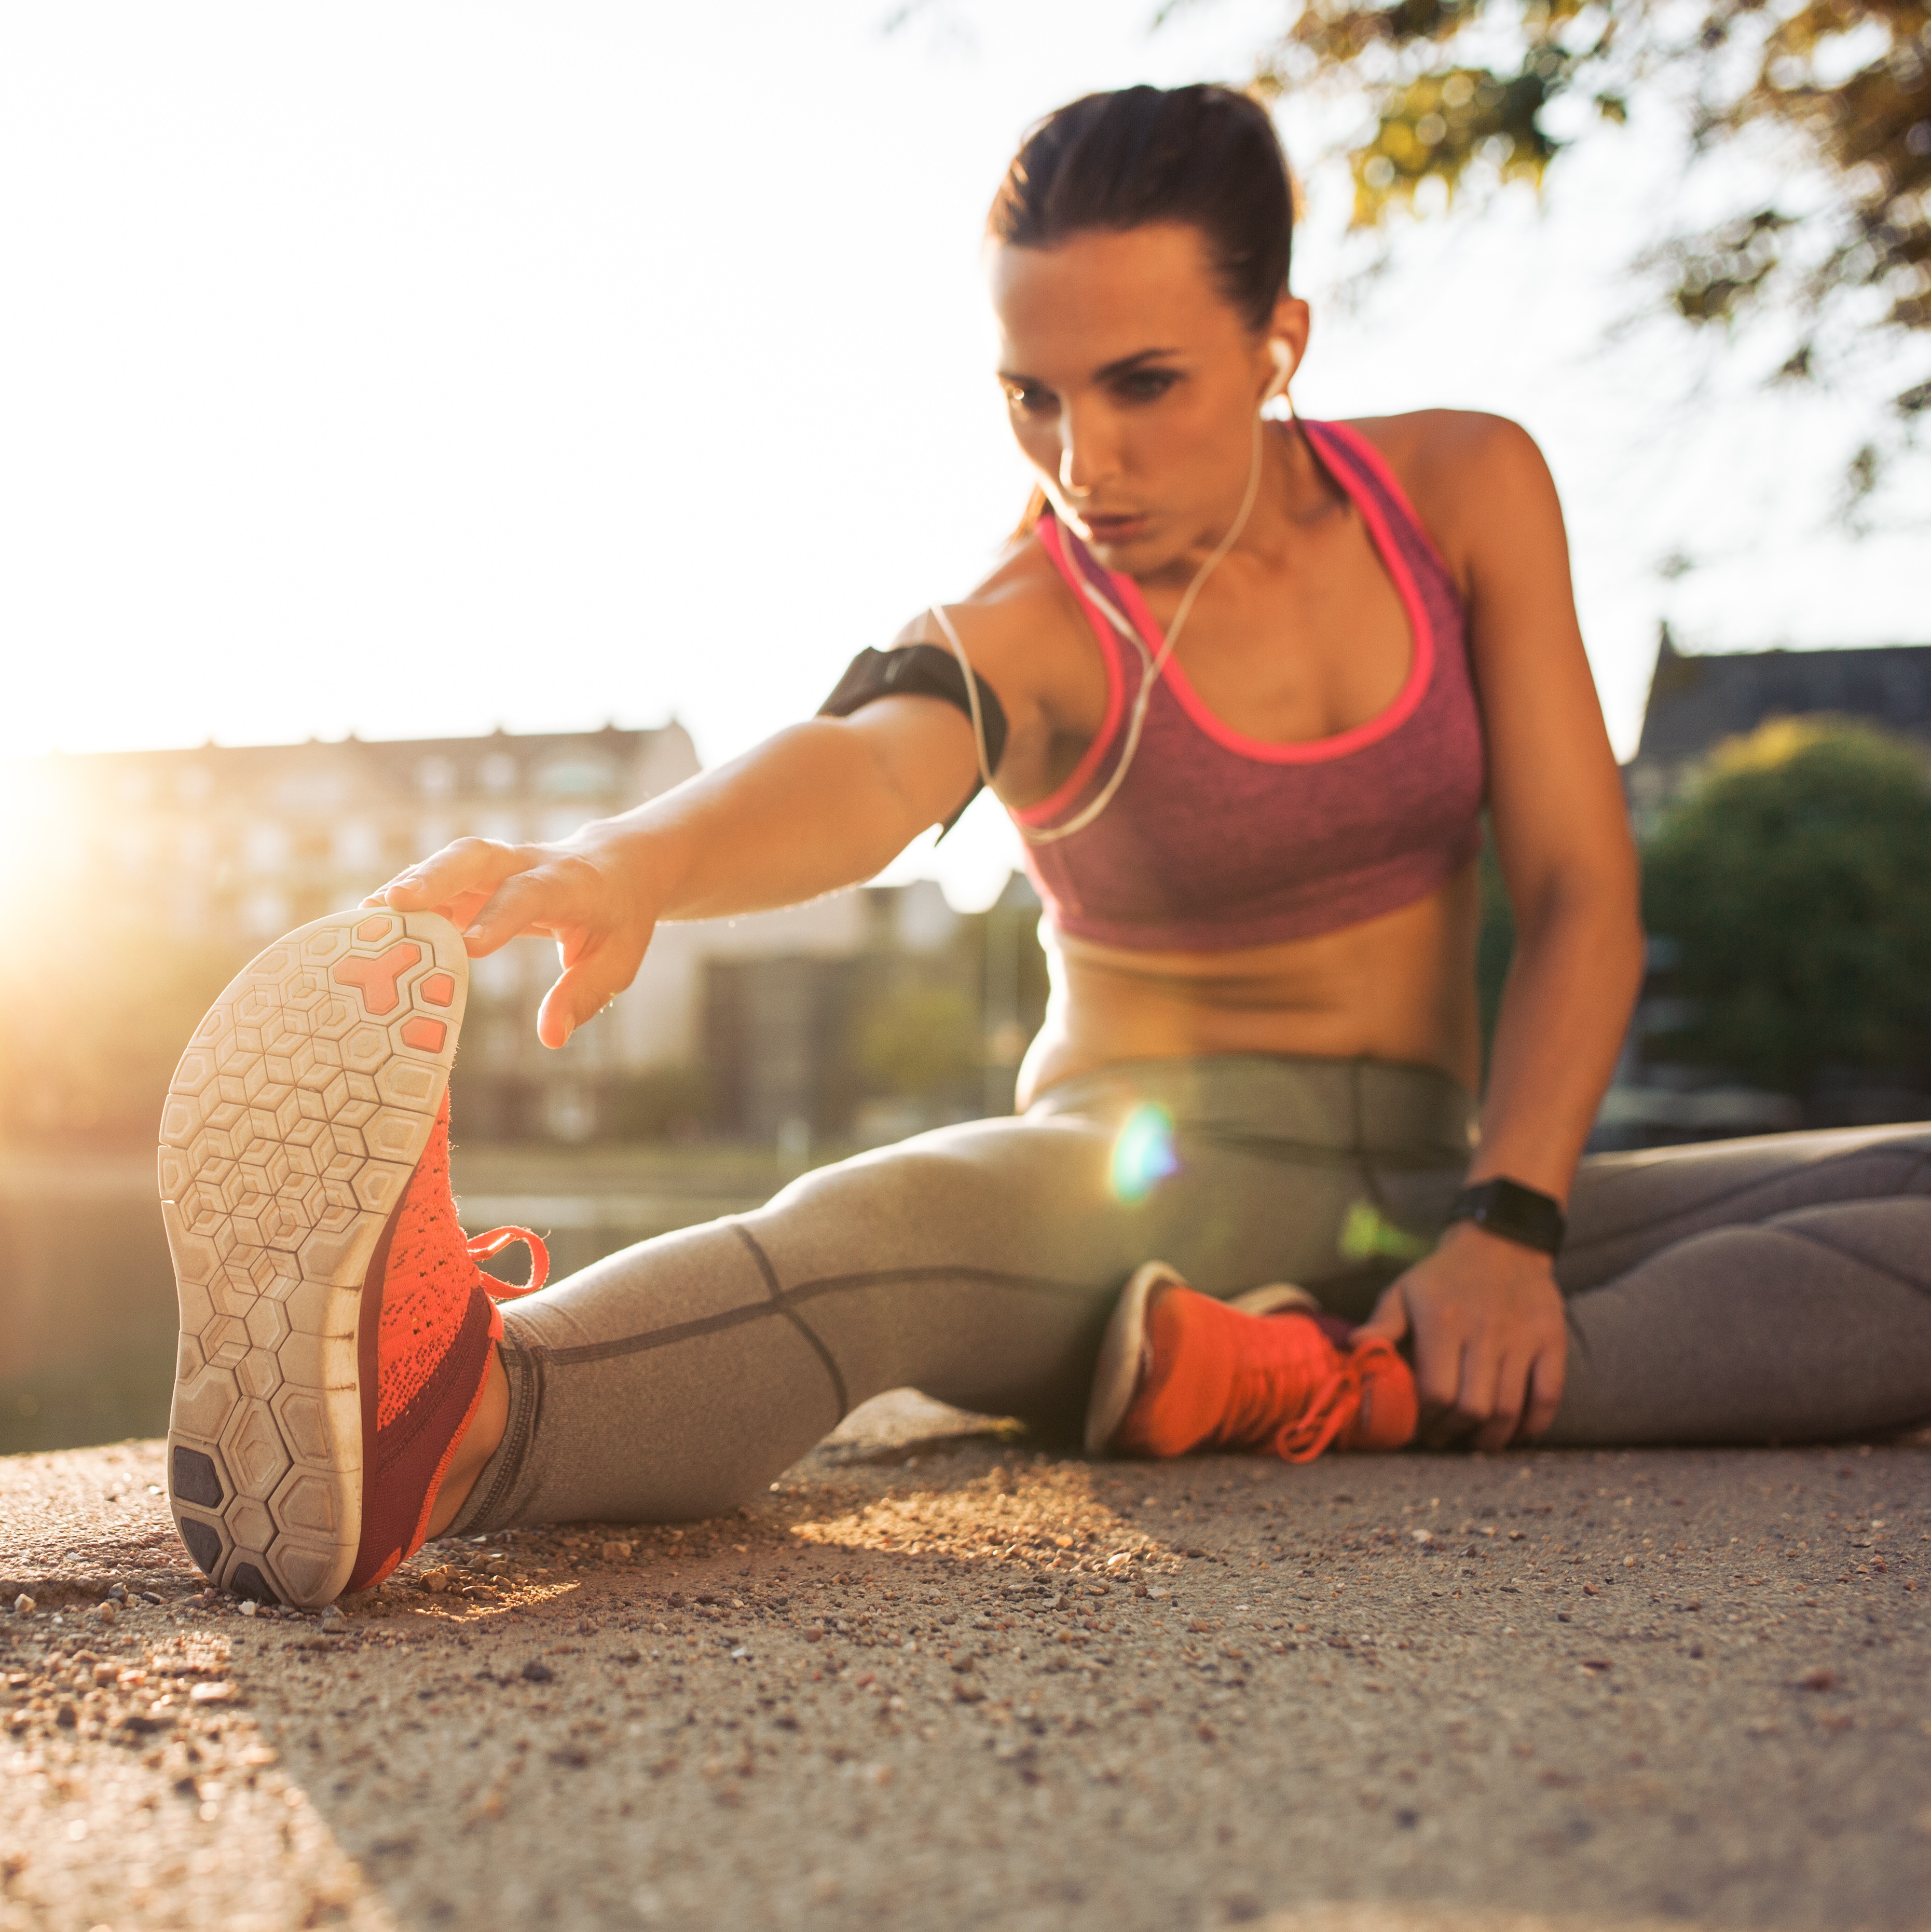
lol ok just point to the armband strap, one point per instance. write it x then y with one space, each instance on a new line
919 671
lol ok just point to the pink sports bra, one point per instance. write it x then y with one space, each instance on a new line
1214 840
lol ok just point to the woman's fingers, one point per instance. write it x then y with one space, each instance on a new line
558 893
1390 1317
1547 1378
469 870
495 891
1438 1379
596 976
1509 1395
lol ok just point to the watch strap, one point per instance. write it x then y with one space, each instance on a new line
1524 1215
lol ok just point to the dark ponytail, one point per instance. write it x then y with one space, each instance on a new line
1205 156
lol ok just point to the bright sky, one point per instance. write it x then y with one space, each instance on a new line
416 370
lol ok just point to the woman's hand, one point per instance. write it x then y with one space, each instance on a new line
1490 1339
578 893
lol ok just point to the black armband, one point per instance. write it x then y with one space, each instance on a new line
920 670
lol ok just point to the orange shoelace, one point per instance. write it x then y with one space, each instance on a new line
1333 1395
487 1247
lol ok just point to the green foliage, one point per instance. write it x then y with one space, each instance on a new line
1842 89
1796 879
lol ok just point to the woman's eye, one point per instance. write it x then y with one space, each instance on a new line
1147 385
1027 400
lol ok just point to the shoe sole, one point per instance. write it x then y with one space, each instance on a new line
1116 1377
293 1124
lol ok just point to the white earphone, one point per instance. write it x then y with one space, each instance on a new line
1284 367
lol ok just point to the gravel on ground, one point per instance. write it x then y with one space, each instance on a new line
941 1677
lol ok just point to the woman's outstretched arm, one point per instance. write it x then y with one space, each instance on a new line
822 805
1490 1337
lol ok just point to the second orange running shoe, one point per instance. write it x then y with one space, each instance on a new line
1179 1371
336 1329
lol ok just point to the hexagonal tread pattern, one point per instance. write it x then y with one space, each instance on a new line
291 1126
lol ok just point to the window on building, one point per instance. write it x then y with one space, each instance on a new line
358 845
266 914
499 772
575 778
264 846
435 778
497 976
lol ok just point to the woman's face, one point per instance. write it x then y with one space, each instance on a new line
1131 384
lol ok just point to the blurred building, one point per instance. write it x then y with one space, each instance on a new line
754 1028
1697 700
905 1016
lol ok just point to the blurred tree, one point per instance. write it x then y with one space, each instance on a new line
90 1032
1835 93
1796 880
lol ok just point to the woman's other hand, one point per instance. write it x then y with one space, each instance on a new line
574 892
1491 1343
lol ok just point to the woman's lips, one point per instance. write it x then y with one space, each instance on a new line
1114 529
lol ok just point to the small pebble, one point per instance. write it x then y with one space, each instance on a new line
23 1605
118 1593
250 1608
105 1611
537 1673
331 1616
150 1597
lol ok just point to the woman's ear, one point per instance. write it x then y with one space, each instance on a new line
1288 327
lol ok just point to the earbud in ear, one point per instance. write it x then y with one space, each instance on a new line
1284 367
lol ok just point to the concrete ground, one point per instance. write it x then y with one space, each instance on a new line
938 1679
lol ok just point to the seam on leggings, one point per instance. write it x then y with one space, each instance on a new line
1640 1226
1317 1153
732 1318
522 1430
1846 1255
798 1321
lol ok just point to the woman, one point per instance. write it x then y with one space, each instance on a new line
1245 686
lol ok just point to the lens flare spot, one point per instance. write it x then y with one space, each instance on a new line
1369 1235
1143 1154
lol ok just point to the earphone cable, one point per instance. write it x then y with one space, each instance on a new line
1151 666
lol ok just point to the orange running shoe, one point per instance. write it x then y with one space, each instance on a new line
1179 1371
336 1330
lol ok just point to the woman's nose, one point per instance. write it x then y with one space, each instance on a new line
1087 458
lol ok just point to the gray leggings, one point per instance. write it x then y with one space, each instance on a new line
1773 1289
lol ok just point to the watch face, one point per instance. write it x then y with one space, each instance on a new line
1515 1212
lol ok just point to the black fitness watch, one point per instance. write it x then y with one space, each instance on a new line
1517 1213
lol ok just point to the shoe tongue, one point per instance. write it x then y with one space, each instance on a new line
427 1226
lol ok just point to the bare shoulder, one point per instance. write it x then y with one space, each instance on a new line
1470 474
1020 605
